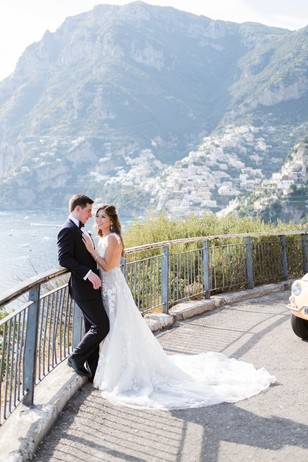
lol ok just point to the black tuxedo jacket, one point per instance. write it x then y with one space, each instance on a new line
73 255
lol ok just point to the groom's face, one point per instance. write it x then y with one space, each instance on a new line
84 213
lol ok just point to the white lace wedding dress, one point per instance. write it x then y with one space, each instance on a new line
134 370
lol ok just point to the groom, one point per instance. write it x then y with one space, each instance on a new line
84 285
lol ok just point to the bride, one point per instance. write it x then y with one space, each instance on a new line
133 370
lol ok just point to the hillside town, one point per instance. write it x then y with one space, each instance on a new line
213 177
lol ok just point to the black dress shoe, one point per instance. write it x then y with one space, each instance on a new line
78 368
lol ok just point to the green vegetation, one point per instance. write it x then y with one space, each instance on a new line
227 264
160 228
3 314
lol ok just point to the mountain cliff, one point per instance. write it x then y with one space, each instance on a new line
149 106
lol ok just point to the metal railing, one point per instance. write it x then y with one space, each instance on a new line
43 324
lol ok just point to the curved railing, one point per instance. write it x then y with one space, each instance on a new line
43 324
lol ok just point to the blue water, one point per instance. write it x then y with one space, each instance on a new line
29 243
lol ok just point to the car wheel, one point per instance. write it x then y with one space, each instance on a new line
300 327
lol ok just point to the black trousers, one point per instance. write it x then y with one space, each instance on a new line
96 328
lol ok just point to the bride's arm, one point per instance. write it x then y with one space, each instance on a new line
110 260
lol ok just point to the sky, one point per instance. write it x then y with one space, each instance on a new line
23 22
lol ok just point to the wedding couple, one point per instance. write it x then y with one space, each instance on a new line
118 351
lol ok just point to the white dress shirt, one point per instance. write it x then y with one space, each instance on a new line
84 231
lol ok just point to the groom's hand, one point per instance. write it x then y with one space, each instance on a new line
95 280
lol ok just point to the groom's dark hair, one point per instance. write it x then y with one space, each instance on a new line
79 199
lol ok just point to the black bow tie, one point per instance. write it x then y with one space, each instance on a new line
81 225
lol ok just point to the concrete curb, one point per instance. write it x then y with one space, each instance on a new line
193 308
27 426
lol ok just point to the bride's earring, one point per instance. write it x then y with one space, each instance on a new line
111 228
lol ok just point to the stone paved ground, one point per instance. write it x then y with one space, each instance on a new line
272 426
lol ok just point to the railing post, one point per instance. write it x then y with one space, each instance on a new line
123 266
29 364
165 279
249 267
284 257
304 247
206 270
77 326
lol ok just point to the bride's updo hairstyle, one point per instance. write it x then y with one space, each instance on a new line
115 227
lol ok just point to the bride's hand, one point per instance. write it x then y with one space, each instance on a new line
88 243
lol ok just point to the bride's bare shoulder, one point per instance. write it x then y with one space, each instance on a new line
116 236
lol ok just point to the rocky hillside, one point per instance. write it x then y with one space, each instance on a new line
151 107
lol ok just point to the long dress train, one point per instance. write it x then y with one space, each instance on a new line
133 369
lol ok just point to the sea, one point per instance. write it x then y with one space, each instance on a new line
29 243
